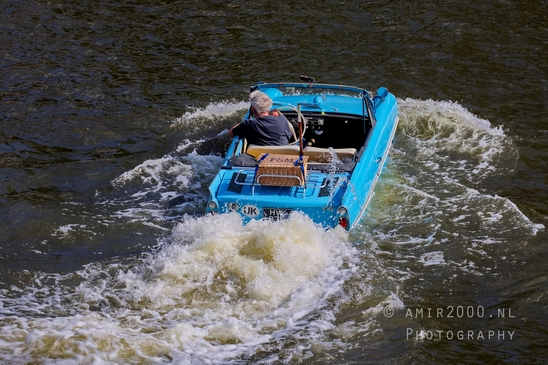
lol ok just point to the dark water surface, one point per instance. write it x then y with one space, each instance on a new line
112 115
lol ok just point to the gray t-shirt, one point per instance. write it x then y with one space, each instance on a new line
265 131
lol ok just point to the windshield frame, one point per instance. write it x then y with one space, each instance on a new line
288 88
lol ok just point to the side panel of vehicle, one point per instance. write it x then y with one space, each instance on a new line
369 168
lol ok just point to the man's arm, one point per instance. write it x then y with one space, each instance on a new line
230 133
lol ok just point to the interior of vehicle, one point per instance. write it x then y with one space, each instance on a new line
324 135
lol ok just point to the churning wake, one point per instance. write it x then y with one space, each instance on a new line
439 194
212 290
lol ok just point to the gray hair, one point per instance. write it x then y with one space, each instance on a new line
260 101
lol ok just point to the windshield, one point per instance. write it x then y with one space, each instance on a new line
314 89
291 90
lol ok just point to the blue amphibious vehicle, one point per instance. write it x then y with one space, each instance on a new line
328 173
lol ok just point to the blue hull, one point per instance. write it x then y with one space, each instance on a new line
351 134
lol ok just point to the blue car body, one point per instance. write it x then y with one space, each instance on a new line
346 137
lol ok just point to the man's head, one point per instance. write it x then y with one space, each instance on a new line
260 101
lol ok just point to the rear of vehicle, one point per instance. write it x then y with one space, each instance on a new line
336 130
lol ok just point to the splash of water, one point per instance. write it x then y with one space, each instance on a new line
200 119
433 194
215 291
203 295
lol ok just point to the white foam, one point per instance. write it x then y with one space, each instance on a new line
211 292
151 184
67 229
432 258
215 291
445 112
151 171
198 118
433 193
64 230
450 138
